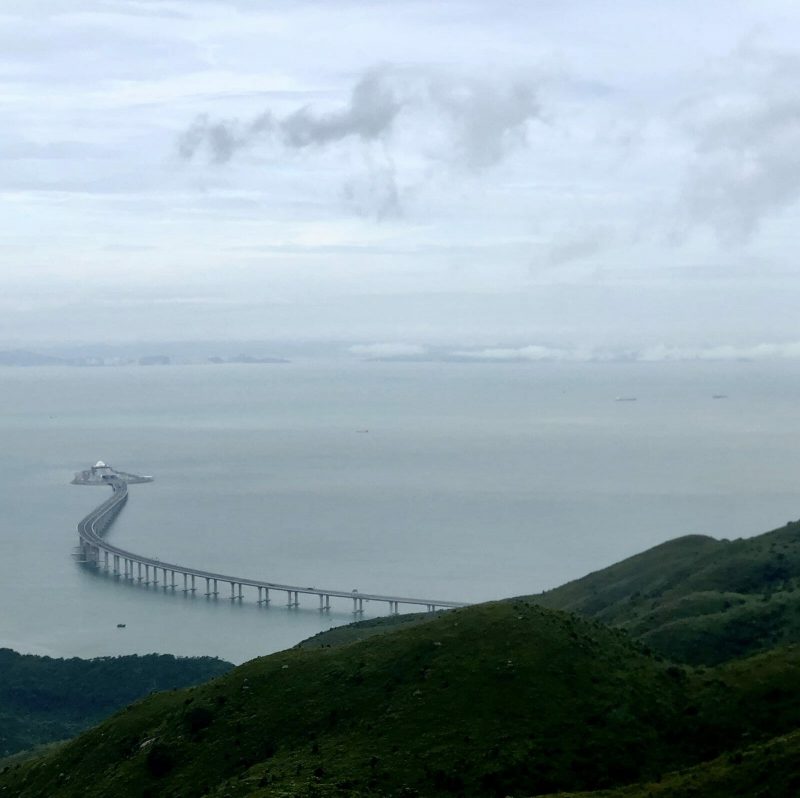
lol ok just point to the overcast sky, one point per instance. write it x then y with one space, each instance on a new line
554 176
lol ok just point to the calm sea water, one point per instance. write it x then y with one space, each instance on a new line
474 482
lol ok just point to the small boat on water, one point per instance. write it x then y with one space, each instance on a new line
719 396
625 399
121 625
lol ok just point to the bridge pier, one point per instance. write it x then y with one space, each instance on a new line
91 543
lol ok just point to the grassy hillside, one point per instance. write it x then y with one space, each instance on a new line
493 700
44 699
767 770
696 599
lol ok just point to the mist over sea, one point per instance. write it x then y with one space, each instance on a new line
453 481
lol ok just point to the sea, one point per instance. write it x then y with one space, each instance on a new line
455 481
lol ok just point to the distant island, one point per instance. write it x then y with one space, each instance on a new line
247 359
21 358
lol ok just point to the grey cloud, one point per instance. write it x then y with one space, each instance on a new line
578 246
747 149
488 119
374 106
484 118
371 112
222 139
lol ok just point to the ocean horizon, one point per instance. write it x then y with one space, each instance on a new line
462 482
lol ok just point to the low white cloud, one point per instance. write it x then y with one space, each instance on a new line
764 351
653 354
379 350
531 352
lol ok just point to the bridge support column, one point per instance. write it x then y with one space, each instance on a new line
164 580
105 559
361 605
173 580
146 574
208 586
321 597
264 600
193 587
233 585
116 565
184 582
216 591
240 591
140 571
155 575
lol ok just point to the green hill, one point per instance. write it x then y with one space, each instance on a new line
493 700
698 600
767 770
44 699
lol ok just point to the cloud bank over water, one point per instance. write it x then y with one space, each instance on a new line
538 353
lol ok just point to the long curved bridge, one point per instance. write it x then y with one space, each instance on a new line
98 552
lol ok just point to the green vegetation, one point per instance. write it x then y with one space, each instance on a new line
698 600
768 770
499 699
679 676
43 699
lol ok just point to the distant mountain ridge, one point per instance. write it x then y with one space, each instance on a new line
21 357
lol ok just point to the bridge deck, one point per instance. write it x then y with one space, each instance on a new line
91 528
